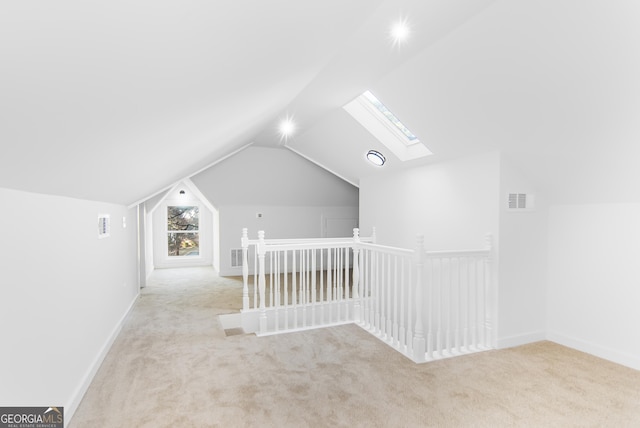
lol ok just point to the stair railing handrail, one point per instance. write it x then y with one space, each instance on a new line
282 241
279 244
421 343
388 249
308 246
427 304
458 253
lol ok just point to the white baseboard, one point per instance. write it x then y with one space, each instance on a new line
180 264
614 355
72 405
232 272
520 339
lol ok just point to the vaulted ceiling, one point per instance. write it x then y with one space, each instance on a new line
116 100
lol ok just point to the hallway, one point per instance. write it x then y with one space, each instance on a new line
172 365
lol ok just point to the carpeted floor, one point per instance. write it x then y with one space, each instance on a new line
173 366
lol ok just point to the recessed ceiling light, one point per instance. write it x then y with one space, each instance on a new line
376 158
287 127
400 31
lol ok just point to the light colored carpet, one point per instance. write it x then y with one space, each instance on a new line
173 366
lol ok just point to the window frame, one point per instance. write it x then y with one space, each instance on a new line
167 231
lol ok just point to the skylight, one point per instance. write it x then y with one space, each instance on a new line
376 118
391 117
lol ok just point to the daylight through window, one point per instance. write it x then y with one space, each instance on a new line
183 237
375 102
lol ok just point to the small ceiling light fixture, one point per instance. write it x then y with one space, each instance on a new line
287 127
400 32
182 192
376 158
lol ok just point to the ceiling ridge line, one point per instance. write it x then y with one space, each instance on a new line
321 165
187 177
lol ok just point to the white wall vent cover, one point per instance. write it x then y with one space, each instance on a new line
104 225
519 202
236 257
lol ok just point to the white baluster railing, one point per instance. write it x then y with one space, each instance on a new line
426 304
387 295
250 271
459 304
319 294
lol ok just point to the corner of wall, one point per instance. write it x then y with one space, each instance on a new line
522 267
616 356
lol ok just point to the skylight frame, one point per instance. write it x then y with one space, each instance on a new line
385 131
388 118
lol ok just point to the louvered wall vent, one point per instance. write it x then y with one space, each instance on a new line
104 226
236 257
519 202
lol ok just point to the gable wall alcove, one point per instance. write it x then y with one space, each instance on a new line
156 249
278 191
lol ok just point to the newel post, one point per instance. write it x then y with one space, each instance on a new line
489 291
418 333
355 294
245 269
261 281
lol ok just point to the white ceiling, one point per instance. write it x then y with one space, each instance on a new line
116 100
552 84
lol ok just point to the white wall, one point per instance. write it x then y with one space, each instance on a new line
148 207
295 197
275 177
142 239
522 273
148 241
63 294
277 222
453 204
594 280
